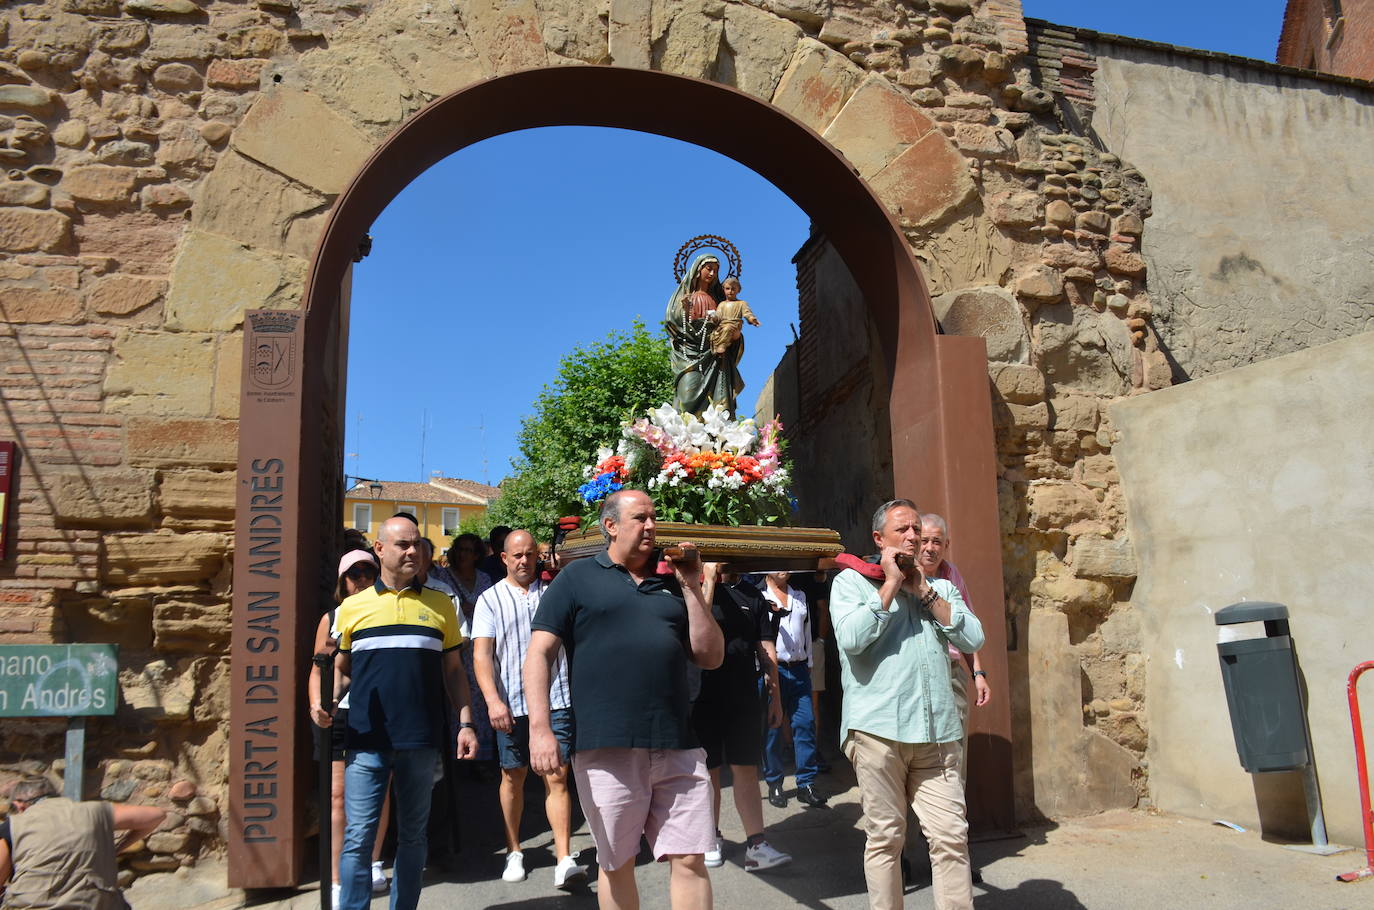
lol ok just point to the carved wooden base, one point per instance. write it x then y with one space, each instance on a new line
743 549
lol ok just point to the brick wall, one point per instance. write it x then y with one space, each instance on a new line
1063 60
1331 37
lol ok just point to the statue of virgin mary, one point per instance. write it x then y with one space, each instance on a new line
700 376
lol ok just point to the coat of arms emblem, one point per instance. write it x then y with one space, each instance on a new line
272 346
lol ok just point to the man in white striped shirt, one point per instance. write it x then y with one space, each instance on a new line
501 636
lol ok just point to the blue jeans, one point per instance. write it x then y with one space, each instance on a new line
365 781
795 683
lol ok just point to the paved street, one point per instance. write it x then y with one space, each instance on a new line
1116 861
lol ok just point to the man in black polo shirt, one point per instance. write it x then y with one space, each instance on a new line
628 637
729 712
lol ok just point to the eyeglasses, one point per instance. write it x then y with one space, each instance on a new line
360 573
465 550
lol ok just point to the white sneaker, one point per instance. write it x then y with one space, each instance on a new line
716 855
379 882
515 867
334 890
764 855
568 874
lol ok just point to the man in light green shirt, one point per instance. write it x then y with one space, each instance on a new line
900 726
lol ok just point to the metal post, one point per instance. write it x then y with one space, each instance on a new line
1312 794
1361 769
1314 804
324 738
74 777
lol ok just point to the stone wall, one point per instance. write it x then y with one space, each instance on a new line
122 352
171 163
1240 275
1041 257
1082 308
1290 526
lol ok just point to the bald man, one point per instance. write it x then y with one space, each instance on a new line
398 650
501 638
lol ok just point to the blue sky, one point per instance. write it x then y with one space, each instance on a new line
500 259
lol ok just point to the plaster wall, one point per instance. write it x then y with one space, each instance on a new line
1259 241
1268 502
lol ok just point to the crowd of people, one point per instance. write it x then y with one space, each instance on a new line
632 678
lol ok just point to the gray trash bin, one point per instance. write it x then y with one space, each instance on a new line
1261 678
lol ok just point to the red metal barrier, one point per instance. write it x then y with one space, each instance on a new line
1362 769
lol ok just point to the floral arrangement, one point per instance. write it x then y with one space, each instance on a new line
708 469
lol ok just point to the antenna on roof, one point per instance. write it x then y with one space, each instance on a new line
424 420
482 427
357 440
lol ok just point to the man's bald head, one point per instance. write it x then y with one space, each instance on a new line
521 557
518 539
397 525
398 551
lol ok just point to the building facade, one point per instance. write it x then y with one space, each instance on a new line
1331 36
440 506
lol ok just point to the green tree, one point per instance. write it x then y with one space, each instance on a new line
598 388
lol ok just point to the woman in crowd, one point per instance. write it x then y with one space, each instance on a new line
357 570
469 582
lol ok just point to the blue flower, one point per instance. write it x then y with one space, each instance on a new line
599 487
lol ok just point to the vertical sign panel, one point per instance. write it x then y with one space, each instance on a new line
265 831
9 466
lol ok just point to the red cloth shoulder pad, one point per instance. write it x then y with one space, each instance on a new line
868 570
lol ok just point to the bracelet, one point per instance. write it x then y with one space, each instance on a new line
980 673
466 725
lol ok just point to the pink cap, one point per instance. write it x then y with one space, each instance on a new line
352 558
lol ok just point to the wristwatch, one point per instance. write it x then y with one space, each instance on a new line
983 673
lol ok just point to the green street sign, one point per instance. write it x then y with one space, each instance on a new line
58 680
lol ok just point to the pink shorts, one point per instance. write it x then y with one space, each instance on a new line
664 794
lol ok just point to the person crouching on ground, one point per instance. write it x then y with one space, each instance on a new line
56 854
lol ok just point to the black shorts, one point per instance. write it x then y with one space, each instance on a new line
731 729
338 731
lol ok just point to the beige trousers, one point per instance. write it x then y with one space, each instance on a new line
893 776
959 680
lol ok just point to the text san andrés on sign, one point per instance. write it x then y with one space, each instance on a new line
261 745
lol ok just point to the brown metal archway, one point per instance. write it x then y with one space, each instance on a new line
939 408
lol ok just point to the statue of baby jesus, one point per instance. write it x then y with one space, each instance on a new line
730 314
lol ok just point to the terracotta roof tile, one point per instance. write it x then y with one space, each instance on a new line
447 490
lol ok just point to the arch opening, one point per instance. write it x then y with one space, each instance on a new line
936 386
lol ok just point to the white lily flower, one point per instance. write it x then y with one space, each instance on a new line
715 419
738 438
667 417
